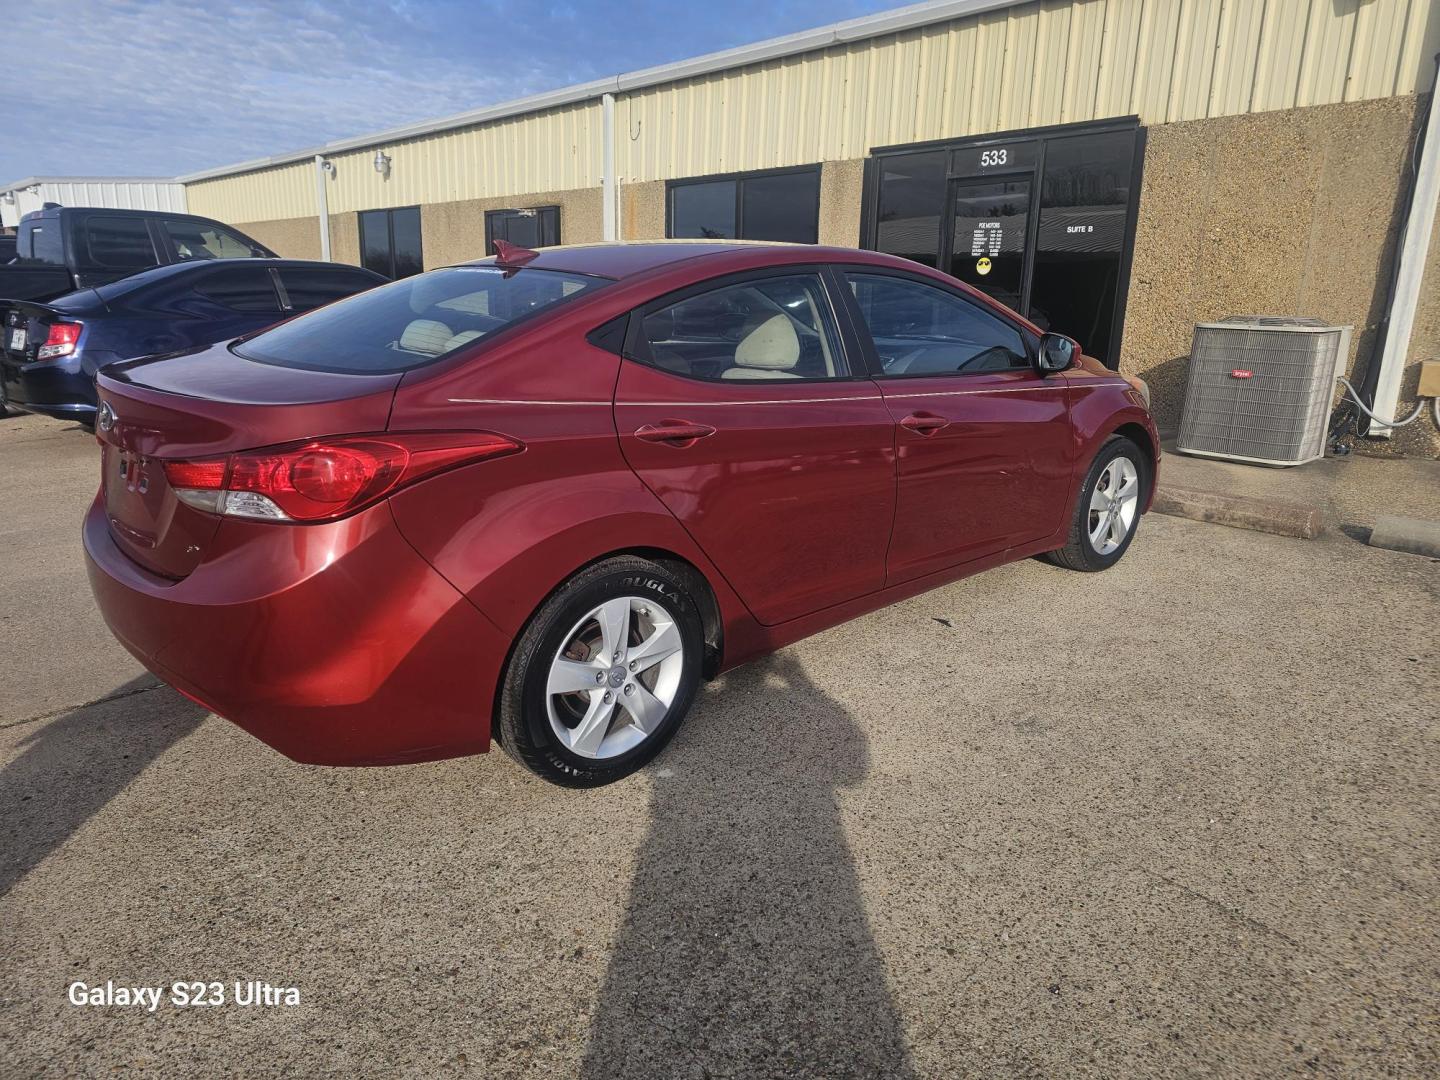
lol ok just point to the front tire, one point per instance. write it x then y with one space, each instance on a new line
1107 512
603 674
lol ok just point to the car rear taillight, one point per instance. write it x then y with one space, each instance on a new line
325 479
61 340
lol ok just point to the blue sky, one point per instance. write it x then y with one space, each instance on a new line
162 87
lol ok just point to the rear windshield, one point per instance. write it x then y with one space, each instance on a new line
413 321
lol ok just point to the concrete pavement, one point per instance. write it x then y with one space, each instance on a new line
1177 819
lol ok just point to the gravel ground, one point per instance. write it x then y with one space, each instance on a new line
1178 819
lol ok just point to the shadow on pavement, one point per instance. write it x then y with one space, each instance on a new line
745 949
73 765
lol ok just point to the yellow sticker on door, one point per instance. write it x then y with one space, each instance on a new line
982 265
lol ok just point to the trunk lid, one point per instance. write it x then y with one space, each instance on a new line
205 403
25 324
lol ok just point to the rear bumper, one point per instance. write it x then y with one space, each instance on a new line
335 644
61 388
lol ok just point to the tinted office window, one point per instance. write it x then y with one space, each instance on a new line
241 288
390 242
536 227
192 240
405 237
310 288
119 242
785 207
1084 198
921 330
781 206
912 196
769 328
703 211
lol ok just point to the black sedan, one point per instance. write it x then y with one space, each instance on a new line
49 353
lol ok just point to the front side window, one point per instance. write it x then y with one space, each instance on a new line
241 288
195 240
919 329
390 242
412 322
783 206
766 328
120 243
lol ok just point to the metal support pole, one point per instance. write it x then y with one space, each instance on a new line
322 205
610 193
1406 297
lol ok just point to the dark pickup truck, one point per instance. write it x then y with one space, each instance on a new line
63 248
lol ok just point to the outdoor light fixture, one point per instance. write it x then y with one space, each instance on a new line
382 163
327 165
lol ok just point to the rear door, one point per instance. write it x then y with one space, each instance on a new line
983 441
743 410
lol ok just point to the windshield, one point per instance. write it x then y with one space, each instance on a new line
414 321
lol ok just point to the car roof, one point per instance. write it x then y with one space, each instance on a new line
626 259
190 266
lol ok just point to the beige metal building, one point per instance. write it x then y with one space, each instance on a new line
1116 169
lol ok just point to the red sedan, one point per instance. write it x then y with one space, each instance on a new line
539 499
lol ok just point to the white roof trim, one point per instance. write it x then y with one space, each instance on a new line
31 181
886 22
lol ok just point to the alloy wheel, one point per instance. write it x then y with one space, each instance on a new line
614 677
1113 505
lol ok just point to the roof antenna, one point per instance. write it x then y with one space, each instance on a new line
511 255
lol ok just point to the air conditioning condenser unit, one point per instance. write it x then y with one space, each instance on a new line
1261 387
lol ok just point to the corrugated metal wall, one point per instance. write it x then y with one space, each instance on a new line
1050 62
556 150
1045 62
124 194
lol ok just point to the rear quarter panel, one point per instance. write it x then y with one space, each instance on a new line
508 532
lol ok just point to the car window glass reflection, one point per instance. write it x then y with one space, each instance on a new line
771 328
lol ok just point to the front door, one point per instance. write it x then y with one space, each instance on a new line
739 407
990 222
983 441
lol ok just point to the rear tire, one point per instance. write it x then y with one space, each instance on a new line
1107 513
603 674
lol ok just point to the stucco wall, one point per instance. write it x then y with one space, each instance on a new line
840 186
1280 213
454 232
290 238
642 211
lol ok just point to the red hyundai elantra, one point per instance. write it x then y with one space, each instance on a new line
540 498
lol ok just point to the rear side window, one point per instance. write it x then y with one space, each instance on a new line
194 240
768 328
40 242
121 243
241 288
414 321
308 289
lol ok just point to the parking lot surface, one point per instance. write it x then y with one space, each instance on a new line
1176 819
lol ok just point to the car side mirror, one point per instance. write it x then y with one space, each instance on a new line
1056 353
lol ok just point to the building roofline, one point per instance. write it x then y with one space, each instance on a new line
30 181
868 26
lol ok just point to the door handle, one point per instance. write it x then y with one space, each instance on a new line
923 423
673 432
